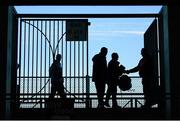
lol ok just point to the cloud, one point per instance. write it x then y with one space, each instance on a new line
122 24
115 33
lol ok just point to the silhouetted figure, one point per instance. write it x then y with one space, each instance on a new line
114 71
55 73
99 74
146 71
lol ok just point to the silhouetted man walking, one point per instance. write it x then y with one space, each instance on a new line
99 75
56 78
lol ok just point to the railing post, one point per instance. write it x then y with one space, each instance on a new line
135 103
41 103
131 103
87 92
17 96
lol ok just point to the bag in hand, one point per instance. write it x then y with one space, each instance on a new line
124 83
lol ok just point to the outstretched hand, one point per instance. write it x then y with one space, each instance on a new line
126 71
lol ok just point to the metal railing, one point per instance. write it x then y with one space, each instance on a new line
124 102
84 97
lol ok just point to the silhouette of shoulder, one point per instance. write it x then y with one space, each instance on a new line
96 57
54 69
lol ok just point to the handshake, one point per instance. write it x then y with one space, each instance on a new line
127 71
123 69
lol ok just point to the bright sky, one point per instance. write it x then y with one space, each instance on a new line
87 9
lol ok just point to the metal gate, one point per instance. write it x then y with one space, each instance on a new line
38 42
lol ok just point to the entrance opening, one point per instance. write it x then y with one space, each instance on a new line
42 30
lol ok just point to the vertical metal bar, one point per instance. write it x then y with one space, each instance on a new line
87 52
54 36
58 37
70 66
37 60
87 71
28 57
158 46
62 46
40 103
57 30
83 67
49 48
32 56
41 61
45 58
20 46
74 66
79 68
66 63
62 27
24 58
131 103
135 103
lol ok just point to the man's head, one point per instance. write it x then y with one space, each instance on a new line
104 51
58 57
114 56
144 52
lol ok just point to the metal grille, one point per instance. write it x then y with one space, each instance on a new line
38 41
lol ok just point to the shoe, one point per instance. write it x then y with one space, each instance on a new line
100 106
145 107
106 104
116 107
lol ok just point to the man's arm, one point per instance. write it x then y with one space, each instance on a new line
135 69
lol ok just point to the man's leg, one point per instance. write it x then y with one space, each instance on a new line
61 90
102 90
108 95
114 99
100 94
147 97
53 92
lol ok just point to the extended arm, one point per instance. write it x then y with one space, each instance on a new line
135 69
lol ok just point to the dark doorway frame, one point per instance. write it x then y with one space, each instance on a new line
79 2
